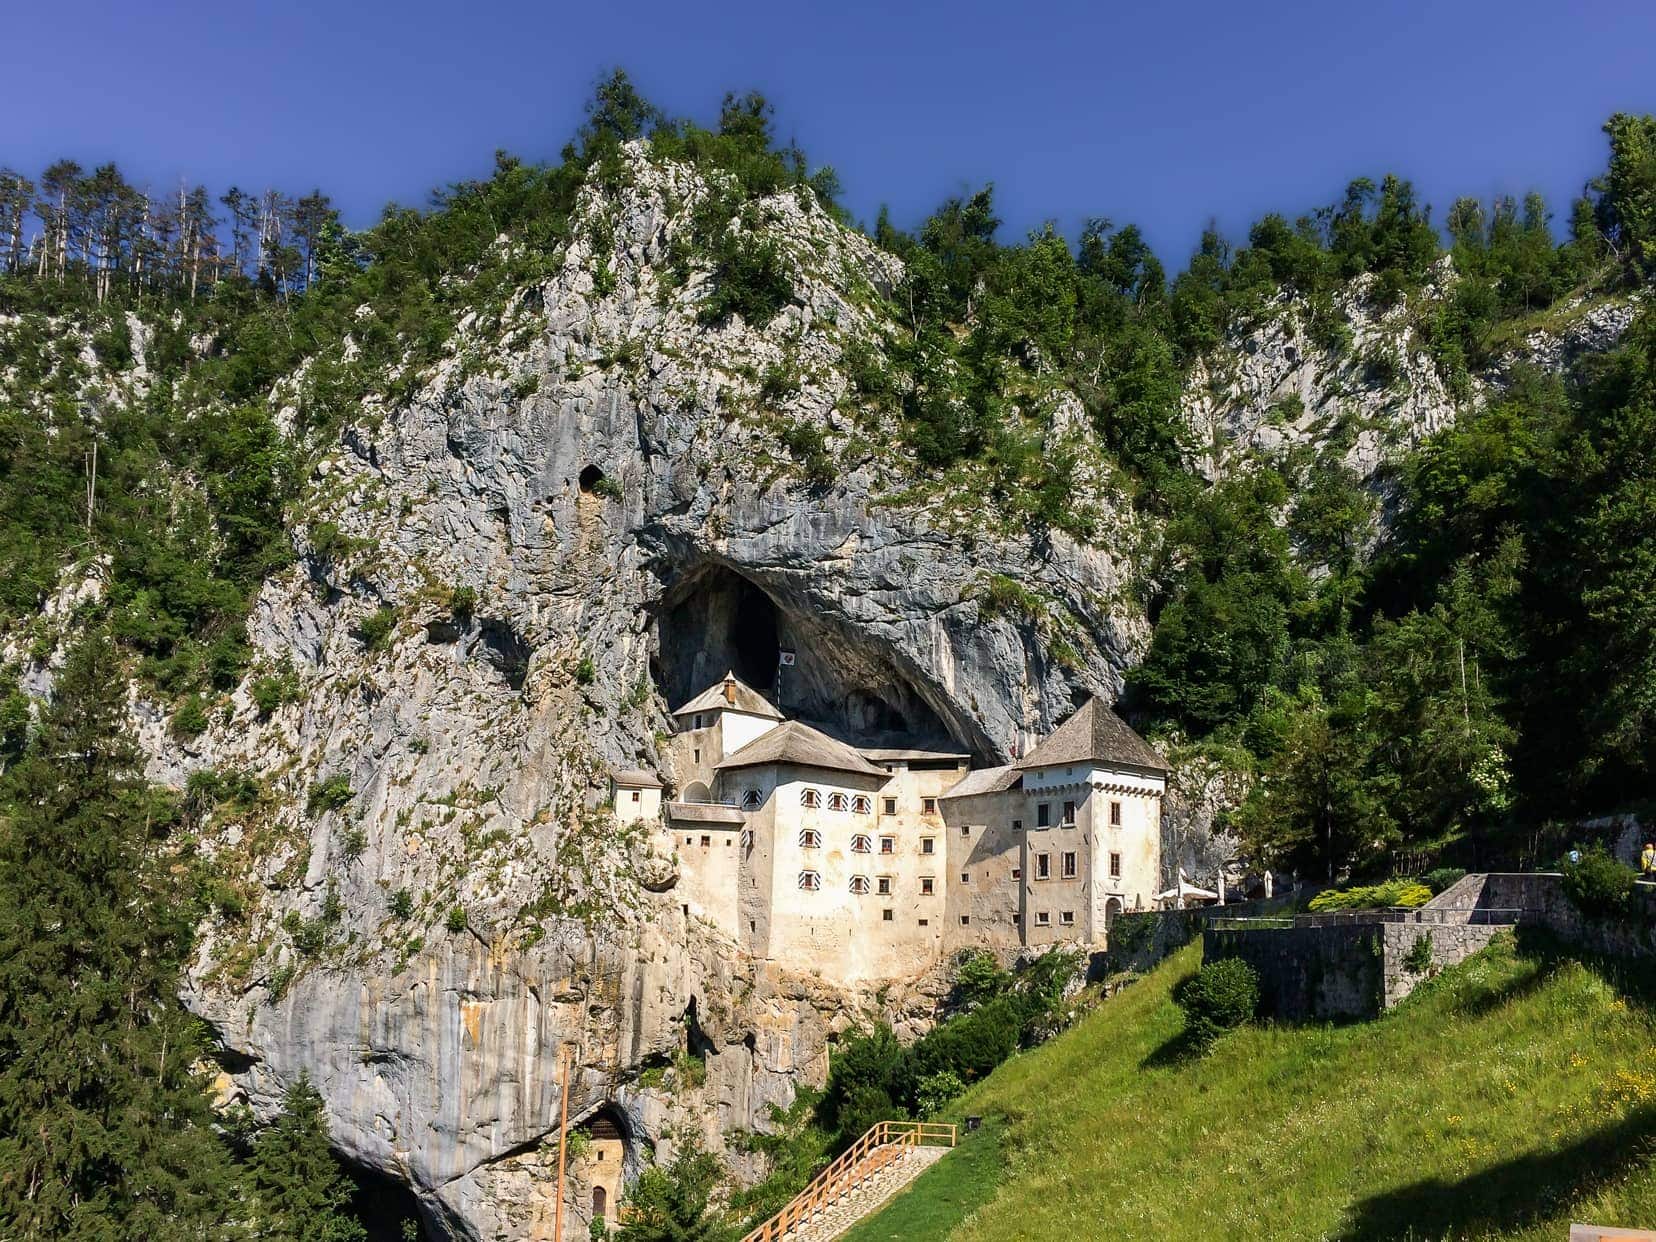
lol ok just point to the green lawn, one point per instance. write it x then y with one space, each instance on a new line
942 1196
1510 1096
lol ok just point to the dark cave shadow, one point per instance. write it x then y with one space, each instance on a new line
1511 1195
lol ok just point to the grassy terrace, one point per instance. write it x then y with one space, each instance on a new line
1511 1095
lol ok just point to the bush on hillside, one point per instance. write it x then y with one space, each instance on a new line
1219 997
1598 885
1408 894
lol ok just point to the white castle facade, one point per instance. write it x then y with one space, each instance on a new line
869 863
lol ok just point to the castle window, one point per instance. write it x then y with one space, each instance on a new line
1016 918
1017 825
890 805
928 845
860 805
965 830
1115 814
697 723
838 802
706 842
925 922
750 799
860 844
928 806
1069 814
809 838
810 881
965 920
809 797
1069 864
1043 866
885 916
927 885
689 840
1115 866
1043 918
695 755
1017 873
885 885
888 845
635 795
859 884
1067 918
1043 815
965 877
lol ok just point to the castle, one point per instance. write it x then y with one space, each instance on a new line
868 862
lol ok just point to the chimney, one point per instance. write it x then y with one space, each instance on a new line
730 689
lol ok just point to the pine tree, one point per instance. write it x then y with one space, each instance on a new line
301 1193
105 1127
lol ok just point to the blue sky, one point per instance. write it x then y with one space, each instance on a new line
1164 114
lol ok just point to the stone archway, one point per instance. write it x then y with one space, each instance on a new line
1112 911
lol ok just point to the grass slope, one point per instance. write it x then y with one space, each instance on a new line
1511 1095
942 1196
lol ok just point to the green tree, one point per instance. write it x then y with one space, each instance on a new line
300 1192
105 1127
674 1203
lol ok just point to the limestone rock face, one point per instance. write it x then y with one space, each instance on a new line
583 516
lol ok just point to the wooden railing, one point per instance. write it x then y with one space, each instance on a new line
883 1143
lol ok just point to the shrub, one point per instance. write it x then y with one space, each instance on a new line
608 488
457 921
270 692
978 978
1443 878
329 795
377 628
402 904
586 672
936 1090
354 843
1219 997
191 717
1409 894
1598 885
1418 960
462 603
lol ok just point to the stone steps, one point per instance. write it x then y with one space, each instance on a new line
866 1196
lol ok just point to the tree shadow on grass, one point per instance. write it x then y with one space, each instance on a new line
1511 1195
1177 1049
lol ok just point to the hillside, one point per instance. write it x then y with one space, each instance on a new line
1508 1097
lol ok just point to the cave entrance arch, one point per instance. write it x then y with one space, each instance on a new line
713 619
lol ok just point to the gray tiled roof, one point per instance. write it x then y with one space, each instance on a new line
748 700
985 780
635 778
794 742
1093 734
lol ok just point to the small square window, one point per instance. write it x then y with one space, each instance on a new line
965 830
1017 825
884 883
885 916
965 877
928 845
635 795
890 805
1067 917
928 806
888 845
689 840
706 841
965 920
927 885
1043 918
925 922
1017 873
1016 918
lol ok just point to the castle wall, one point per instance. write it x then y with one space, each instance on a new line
710 871
985 889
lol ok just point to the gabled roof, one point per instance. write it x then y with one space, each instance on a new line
705 813
635 778
795 742
984 780
747 700
891 754
1093 734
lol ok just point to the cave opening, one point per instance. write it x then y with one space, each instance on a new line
714 619
590 478
386 1208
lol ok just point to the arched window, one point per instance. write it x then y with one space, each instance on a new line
750 799
837 802
860 805
860 844
810 881
600 1201
809 838
809 797
859 884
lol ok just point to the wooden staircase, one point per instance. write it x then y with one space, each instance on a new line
870 1171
